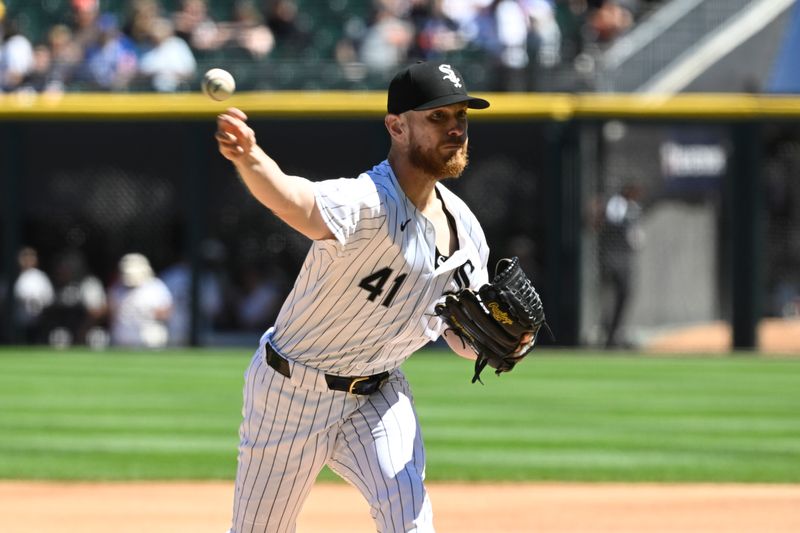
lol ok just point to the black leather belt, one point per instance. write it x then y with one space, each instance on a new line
364 385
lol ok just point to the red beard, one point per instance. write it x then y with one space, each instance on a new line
433 163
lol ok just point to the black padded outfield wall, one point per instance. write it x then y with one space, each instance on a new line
89 178
161 188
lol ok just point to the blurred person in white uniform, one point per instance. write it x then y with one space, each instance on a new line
33 293
16 53
140 305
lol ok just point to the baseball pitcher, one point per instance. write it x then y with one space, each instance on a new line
396 260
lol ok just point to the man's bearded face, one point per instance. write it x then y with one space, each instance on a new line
437 161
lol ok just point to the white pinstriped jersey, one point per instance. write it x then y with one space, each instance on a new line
363 303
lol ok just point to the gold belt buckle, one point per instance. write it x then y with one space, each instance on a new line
355 382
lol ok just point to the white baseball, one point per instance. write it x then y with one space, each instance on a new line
218 84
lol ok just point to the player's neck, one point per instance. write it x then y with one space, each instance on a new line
417 186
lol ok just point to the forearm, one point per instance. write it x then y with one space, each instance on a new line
291 198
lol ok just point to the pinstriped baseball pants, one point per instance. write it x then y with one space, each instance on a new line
290 432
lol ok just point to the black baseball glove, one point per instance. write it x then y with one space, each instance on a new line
500 321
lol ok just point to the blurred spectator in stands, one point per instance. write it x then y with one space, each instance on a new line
16 55
80 304
194 25
608 21
140 18
262 292
213 292
571 18
436 34
85 22
249 32
140 305
33 293
555 32
111 62
620 238
388 39
502 32
282 20
465 13
346 52
65 56
544 35
40 78
168 64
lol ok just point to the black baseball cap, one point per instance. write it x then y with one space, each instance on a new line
426 85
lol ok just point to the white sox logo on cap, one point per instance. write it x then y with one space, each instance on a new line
450 75
429 85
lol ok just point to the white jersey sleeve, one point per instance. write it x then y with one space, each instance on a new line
348 206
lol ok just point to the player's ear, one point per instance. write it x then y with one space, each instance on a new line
395 125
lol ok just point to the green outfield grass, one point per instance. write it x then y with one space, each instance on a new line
577 416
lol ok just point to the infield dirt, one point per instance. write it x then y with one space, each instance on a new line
775 336
44 507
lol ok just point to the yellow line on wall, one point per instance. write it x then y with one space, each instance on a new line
505 106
